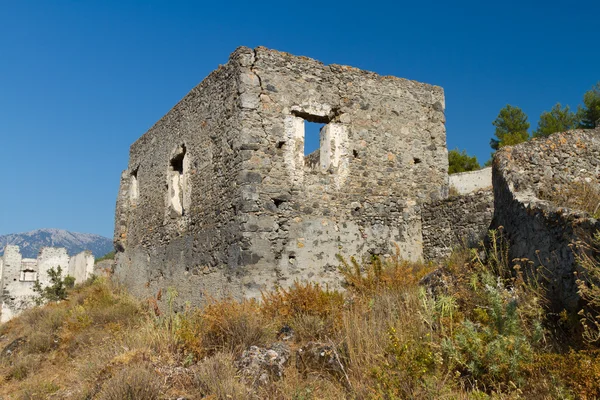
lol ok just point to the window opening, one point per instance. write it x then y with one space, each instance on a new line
177 183
133 187
312 143
312 137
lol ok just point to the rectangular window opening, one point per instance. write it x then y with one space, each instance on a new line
312 143
177 183
133 187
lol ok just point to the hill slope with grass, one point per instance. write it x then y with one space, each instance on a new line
466 328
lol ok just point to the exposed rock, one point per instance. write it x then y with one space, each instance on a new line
32 242
438 282
321 358
10 348
260 366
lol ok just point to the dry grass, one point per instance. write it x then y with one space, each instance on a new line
579 195
134 382
216 376
226 325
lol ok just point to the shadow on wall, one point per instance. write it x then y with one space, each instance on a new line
540 230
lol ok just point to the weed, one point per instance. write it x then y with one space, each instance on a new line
381 273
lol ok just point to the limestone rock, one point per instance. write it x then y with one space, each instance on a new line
260 366
321 357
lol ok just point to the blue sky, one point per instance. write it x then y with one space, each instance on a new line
82 80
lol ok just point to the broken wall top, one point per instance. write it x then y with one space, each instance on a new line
536 168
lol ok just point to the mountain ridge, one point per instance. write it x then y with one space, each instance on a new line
31 242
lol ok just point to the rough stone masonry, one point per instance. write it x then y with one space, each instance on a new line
219 197
541 230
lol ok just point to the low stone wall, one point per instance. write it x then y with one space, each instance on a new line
454 222
467 182
537 229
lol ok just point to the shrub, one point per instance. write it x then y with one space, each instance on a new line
226 325
133 382
493 346
57 290
216 377
108 256
380 274
301 299
578 371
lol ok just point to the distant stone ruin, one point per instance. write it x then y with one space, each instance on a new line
18 275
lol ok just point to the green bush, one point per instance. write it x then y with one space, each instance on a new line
57 290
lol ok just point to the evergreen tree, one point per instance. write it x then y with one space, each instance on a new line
589 114
460 161
511 127
558 119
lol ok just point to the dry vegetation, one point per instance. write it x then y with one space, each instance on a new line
578 195
475 330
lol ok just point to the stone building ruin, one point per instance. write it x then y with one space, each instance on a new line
220 197
18 275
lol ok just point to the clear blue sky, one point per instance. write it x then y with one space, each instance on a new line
82 80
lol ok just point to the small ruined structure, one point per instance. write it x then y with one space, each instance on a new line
539 229
18 275
220 197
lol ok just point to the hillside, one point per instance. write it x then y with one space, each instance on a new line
468 330
31 242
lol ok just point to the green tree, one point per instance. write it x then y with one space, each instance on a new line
460 161
589 114
511 127
558 119
57 290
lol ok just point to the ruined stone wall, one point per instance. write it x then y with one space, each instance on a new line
538 229
81 266
52 257
462 220
382 153
161 236
261 213
12 289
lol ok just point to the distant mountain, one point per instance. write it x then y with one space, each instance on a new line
30 243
